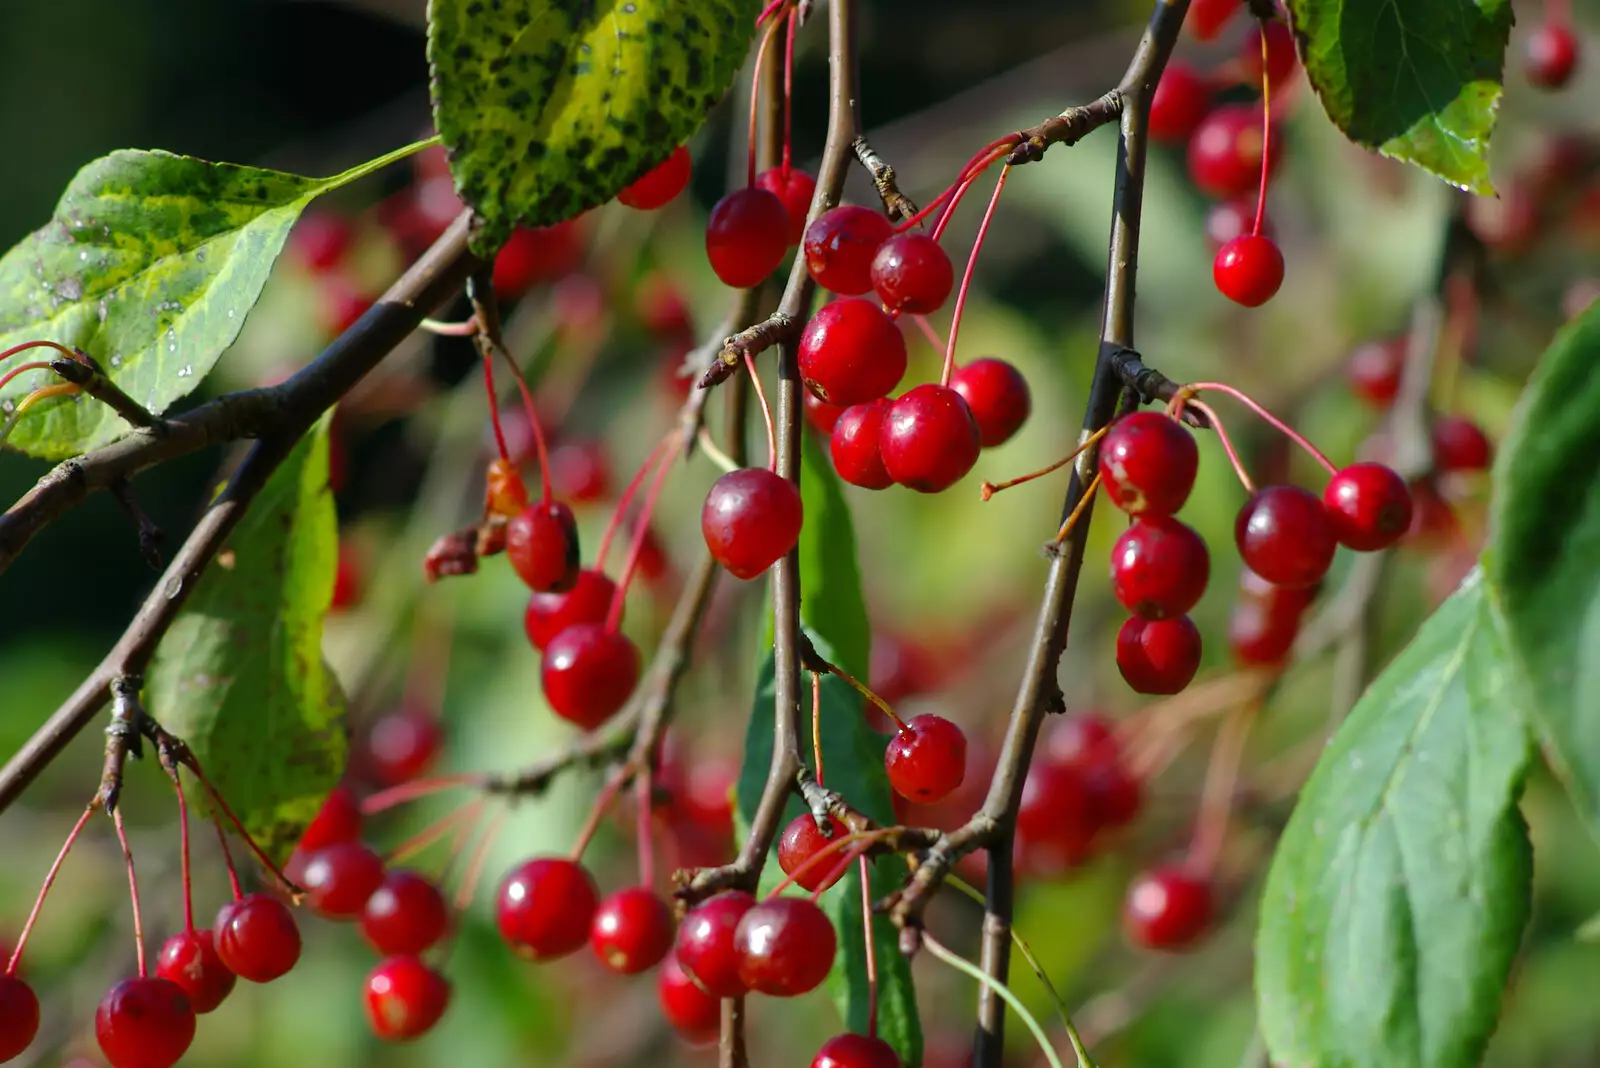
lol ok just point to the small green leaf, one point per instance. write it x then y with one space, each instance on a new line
150 265
1418 80
1399 891
549 109
240 675
1544 555
835 618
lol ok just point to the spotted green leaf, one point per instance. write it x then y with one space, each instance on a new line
240 674
1418 80
150 264
551 107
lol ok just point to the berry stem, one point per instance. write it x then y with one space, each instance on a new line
450 821
415 790
989 489
31 365
1227 444
494 406
766 412
767 11
479 859
44 393
602 804
628 493
1216 797
966 277
762 54
133 890
714 452
816 723
41 344
979 163
865 691
466 328
643 802
227 854
216 799
49 881
1078 511
856 852
640 529
929 332
962 965
870 947
788 93
1266 130
1243 398
534 424
183 844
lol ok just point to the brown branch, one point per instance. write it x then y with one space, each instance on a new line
280 416
779 328
87 375
1071 126
150 535
896 203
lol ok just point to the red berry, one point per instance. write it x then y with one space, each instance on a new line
747 236
1166 908
406 914
794 188
347 579
1459 444
405 998
403 745
927 760
1228 219
820 414
705 945
257 938
929 438
659 185
19 1016
588 673
1551 55
1369 505
854 445
751 519
801 840
548 614
189 959
1285 535
542 545
339 820
1056 821
1265 620
578 471
544 907
912 274
534 254
1207 17
851 352
1433 521
1373 371
1148 463
631 930
1180 102
661 307
339 879
855 1051
321 239
1159 567
1158 656
341 304
1081 741
839 247
1248 270
1115 795
144 1023
692 1012
1225 151
1280 60
998 396
786 947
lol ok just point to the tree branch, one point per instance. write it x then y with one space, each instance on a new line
279 416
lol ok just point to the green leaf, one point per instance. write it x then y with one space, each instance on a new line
150 264
1399 891
1544 555
835 618
1418 80
240 675
550 108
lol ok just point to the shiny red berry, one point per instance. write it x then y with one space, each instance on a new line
1159 567
820 414
1226 150
855 1051
1551 55
794 188
631 930
1207 18
998 396
840 244
1373 371
801 840
1148 463
911 273
927 760
1280 60
1460 445
339 820
144 1023
548 614
851 352
693 1013
257 938
19 1017
751 519
1248 270
1180 102
406 914
189 959
542 545
405 998
1370 506
588 673
403 745
747 237
544 907
929 439
661 184
854 445
1285 535
1158 656
786 947
1166 908
705 942
339 879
